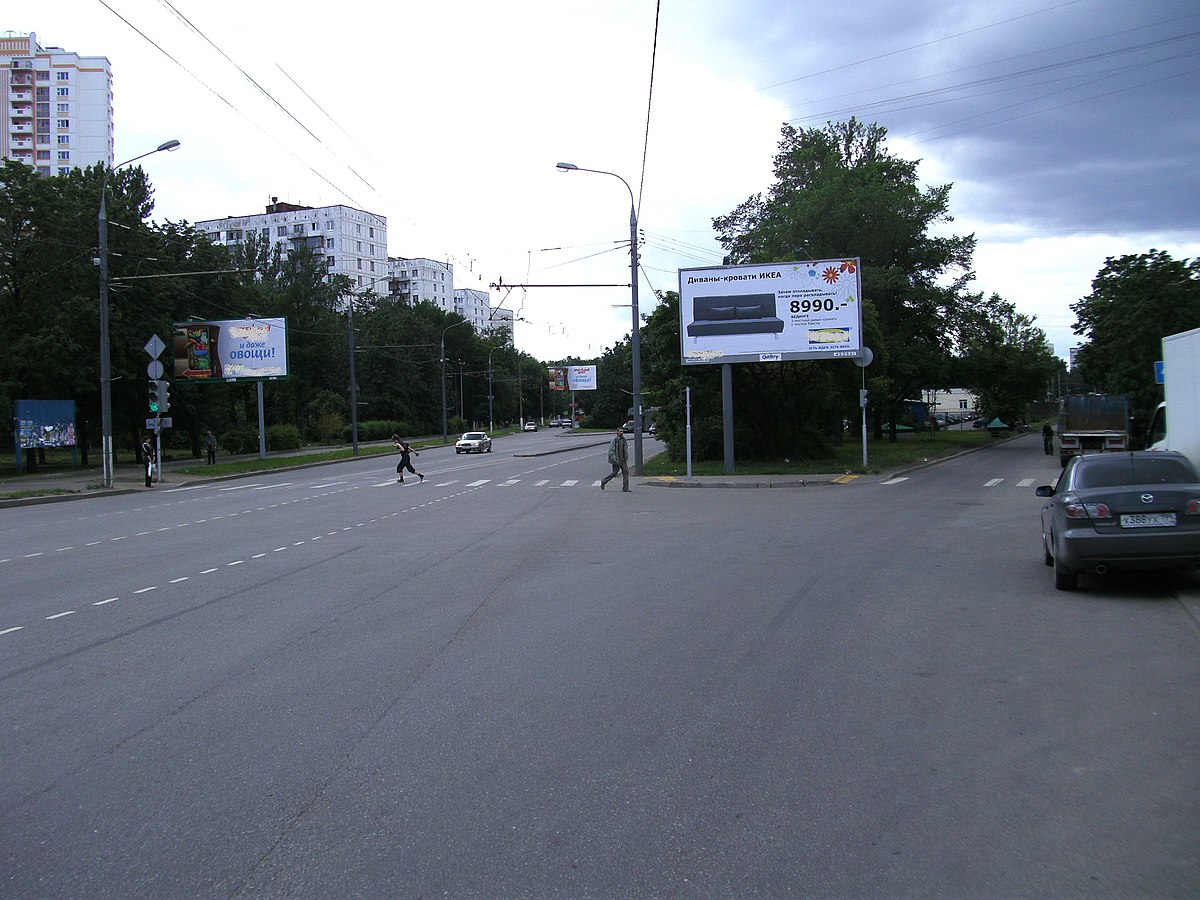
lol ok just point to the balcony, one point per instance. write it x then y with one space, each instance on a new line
20 128
20 96
22 144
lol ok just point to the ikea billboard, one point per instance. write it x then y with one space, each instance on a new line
771 312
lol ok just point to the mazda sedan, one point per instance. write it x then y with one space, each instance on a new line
1107 511
473 442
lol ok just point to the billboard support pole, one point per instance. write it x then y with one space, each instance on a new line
262 433
727 414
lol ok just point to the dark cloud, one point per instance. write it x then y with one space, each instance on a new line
1059 116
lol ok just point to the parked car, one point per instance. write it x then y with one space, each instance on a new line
531 425
1137 510
473 442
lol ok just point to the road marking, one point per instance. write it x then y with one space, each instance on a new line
570 483
479 483
109 600
269 487
1025 482
239 487
69 612
177 580
236 562
146 589
509 483
321 487
542 483
895 480
844 479
11 630
32 555
994 482
207 571
62 549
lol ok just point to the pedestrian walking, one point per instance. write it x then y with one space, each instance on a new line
1048 438
148 460
406 453
618 458
210 444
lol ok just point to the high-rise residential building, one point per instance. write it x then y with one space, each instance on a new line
59 106
353 242
421 280
476 307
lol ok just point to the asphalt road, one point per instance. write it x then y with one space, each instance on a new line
504 682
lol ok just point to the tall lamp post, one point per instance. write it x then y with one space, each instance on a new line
445 421
106 430
633 286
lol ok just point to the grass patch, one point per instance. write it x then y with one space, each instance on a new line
910 449
21 495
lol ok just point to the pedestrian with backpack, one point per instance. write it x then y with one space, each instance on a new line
405 450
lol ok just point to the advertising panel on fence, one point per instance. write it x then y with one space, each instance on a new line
45 423
572 378
231 350
772 312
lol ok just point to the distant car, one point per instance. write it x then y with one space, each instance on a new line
473 442
530 426
628 427
1136 510
558 422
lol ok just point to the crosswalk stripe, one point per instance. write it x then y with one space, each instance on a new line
994 482
895 480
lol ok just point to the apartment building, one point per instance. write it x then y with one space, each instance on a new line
353 241
421 280
59 106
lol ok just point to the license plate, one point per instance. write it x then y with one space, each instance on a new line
1148 520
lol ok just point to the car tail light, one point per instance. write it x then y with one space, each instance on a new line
1192 508
1077 510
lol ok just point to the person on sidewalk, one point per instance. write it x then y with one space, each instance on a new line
618 458
210 444
405 450
148 460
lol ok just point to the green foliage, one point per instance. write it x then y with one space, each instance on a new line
1136 301
283 437
238 440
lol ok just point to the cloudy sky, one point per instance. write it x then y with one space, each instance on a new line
1069 128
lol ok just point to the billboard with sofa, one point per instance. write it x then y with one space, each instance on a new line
770 312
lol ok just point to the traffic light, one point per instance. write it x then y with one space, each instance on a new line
153 396
164 397
862 398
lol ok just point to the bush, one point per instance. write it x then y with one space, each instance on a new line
283 437
239 439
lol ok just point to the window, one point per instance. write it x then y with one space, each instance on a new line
312 226
214 236
372 267
266 233
63 76
42 93
64 123
63 170
43 125
64 155
333 262
281 231
62 92
298 228
359 247
360 264
358 229
329 225
370 232
63 108
64 139
43 154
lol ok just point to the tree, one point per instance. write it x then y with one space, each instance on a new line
1004 359
840 193
1136 301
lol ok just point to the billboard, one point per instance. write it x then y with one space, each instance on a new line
231 350
770 312
45 423
572 378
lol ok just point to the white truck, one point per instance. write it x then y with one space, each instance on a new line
1181 392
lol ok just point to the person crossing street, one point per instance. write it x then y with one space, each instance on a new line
618 458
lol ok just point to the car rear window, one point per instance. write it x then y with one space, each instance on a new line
1112 471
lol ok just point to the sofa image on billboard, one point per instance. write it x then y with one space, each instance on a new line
740 314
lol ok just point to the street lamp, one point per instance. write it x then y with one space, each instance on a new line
445 422
633 286
106 435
